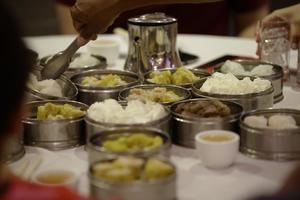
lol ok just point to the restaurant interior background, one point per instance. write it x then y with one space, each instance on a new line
38 17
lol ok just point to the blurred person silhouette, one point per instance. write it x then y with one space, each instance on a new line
215 18
16 66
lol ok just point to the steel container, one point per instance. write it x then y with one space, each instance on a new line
96 152
268 143
93 127
162 189
69 90
54 134
72 71
252 101
185 128
180 91
89 95
197 72
276 78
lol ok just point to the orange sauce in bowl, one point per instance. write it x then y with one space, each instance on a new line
53 178
217 137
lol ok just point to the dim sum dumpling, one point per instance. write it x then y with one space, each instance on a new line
282 122
256 121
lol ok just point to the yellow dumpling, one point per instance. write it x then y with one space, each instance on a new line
51 111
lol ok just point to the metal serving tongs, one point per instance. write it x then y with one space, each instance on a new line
59 62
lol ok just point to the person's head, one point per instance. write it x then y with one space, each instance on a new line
15 67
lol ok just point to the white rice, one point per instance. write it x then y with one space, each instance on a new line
84 60
48 87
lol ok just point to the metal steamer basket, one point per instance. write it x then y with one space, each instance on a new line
276 78
184 128
97 152
54 134
72 71
197 72
268 143
69 90
180 91
162 189
89 95
252 101
93 127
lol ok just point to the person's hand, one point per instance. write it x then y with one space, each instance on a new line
94 16
291 17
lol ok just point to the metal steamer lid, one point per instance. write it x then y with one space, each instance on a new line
152 19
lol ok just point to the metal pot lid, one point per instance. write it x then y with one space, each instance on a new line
152 19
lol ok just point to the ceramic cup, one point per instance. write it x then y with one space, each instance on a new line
105 47
217 149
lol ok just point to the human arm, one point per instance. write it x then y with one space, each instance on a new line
290 14
64 19
246 21
93 16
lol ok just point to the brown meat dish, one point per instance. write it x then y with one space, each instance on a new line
211 108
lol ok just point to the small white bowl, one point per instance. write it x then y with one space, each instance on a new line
105 47
217 149
56 177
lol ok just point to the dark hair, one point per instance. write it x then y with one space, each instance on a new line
14 68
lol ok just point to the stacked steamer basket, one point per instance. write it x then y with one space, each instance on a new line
68 89
249 101
160 187
89 94
54 133
185 80
159 93
276 77
271 134
106 157
143 142
138 184
161 122
186 124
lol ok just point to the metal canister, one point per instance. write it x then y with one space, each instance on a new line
152 43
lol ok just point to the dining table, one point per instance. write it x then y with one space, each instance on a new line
247 177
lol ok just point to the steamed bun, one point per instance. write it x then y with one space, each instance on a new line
256 121
282 122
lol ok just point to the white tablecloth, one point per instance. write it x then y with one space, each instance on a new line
247 177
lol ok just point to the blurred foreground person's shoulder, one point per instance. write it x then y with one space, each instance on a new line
290 189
